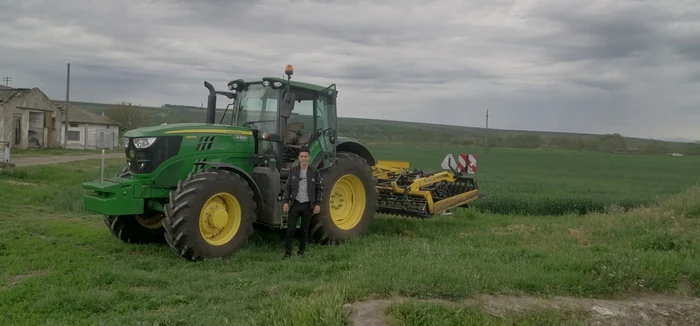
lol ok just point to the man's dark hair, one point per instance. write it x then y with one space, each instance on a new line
304 149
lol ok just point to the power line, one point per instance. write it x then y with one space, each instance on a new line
7 80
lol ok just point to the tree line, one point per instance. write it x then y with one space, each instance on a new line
131 117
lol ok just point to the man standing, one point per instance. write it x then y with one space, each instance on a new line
304 189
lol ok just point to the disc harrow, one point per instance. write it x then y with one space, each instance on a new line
420 194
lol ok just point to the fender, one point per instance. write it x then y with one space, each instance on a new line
345 144
257 194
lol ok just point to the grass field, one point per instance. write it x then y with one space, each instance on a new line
61 266
555 182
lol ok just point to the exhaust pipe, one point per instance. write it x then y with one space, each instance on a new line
211 103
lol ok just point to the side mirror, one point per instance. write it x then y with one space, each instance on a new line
287 105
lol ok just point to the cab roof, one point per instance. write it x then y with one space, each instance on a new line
298 84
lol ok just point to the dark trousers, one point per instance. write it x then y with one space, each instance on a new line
297 210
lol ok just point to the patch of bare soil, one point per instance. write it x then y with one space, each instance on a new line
19 183
644 310
514 228
18 279
581 236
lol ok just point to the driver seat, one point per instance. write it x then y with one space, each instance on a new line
294 130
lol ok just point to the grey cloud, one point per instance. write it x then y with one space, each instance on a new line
393 74
600 35
602 84
688 47
585 30
693 77
598 66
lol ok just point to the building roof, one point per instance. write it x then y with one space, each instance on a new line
77 115
7 93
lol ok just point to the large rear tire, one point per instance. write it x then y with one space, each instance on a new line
349 201
210 215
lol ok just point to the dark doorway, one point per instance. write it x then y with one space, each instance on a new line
18 131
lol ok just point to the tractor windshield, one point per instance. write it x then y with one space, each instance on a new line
258 110
258 106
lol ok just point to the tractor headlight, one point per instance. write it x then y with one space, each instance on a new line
126 142
266 83
232 86
277 84
144 142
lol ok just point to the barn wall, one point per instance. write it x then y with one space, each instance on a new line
39 119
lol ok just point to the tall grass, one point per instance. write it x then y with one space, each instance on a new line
60 267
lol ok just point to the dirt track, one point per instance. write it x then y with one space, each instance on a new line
57 159
643 310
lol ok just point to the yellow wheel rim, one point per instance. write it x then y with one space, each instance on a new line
220 219
153 222
347 202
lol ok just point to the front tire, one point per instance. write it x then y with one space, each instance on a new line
141 229
136 229
210 215
349 201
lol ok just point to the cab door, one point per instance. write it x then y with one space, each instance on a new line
325 128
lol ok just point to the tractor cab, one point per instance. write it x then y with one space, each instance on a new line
286 116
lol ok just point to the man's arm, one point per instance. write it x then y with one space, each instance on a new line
319 188
287 187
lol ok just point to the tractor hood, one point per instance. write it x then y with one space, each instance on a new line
187 129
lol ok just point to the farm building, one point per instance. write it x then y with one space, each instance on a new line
90 131
28 118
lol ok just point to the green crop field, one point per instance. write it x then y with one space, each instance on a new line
555 182
61 266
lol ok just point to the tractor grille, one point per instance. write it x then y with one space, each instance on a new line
146 160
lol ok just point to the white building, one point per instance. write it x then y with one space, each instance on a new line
90 131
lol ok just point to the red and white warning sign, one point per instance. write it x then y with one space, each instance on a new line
465 162
471 163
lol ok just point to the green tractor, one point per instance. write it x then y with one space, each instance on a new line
201 187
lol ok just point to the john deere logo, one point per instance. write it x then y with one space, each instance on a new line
131 154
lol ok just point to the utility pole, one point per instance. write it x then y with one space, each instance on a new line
65 118
7 80
486 136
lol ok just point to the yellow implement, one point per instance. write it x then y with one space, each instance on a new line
418 193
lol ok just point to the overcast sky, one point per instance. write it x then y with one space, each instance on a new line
564 65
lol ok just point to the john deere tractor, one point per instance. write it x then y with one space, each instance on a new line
200 187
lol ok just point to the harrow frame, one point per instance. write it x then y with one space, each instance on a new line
420 194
